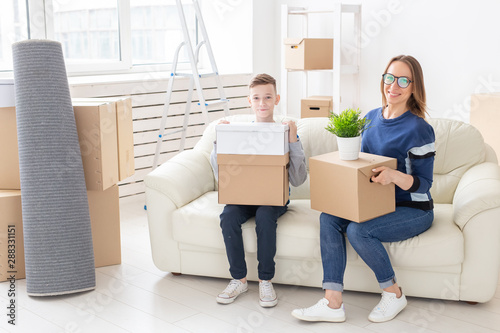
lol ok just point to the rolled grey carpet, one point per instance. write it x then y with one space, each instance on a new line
59 255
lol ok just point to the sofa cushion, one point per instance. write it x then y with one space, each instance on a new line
311 132
298 233
197 223
316 140
441 245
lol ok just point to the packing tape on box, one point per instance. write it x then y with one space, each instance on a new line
57 234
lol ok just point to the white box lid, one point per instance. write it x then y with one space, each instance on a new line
7 93
251 127
252 138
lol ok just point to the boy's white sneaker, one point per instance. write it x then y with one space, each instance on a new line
267 295
233 290
321 312
388 307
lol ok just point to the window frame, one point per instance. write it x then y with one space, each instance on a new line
41 26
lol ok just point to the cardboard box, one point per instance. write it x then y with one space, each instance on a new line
308 53
343 188
96 126
11 236
252 138
9 154
106 142
485 116
124 124
124 128
253 179
316 106
105 221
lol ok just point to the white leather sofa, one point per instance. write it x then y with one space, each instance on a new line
458 258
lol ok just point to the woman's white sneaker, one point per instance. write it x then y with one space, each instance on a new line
388 307
321 312
267 295
233 290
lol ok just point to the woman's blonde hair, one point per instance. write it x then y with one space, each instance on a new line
417 101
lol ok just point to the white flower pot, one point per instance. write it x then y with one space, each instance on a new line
349 148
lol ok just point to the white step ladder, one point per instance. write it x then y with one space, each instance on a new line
194 80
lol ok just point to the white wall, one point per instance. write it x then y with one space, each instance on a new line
265 22
456 42
229 26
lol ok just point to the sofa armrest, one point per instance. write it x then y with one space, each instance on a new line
480 268
477 191
172 185
183 178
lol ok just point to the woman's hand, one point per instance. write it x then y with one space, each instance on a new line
223 121
292 133
384 175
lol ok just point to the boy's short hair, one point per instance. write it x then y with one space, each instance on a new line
262 79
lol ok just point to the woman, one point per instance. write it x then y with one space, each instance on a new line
398 130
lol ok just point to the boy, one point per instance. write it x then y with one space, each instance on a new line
263 98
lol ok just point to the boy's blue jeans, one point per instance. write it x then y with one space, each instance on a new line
266 217
366 238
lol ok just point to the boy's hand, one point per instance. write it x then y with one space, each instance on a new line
292 134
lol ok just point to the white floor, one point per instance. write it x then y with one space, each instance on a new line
137 297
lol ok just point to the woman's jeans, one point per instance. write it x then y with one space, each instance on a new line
266 217
366 238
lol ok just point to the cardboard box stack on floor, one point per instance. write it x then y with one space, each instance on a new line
343 188
11 236
106 142
104 220
253 160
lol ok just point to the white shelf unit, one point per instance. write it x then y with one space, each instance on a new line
339 68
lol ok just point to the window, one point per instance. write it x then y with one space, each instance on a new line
88 30
156 31
99 35
13 28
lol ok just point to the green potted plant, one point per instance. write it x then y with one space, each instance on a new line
348 126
